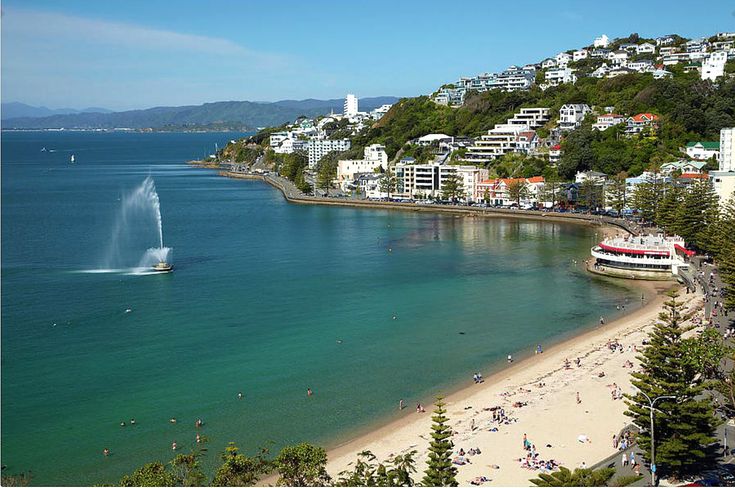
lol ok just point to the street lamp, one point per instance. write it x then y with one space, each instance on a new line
653 447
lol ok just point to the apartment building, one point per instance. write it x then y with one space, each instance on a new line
318 148
714 65
374 158
513 136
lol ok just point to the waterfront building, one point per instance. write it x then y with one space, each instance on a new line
318 148
572 114
714 65
427 180
496 191
351 106
374 158
640 257
702 150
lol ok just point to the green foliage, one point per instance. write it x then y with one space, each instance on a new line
440 471
591 195
240 470
151 474
578 477
518 190
698 211
387 182
705 352
724 250
396 471
22 479
326 169
626 480
302 465
684 425
618 192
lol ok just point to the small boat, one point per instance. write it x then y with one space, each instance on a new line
43 149
71 160
162 267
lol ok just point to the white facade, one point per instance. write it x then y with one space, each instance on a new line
606 121
378 113
601 41
427 180
572 114
646 48
289 146
374 158
618 58
727 149
562 59
702 151
514 136
714 66
594 176
351 106
724 185
580 54
318 148
555 77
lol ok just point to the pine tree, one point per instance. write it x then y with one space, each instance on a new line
617 193
683 426
668 209
387 183
725 251
698 203
452 187
518 190
440 471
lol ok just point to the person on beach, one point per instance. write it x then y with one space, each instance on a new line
472 424
538 349
602 320
624 460
578 399
510 359
632 458
400 404
308 392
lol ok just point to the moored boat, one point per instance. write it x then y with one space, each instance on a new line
162 267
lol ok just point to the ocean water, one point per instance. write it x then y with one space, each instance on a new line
262 294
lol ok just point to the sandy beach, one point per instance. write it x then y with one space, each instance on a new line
549 415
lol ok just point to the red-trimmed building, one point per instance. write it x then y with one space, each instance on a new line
640 257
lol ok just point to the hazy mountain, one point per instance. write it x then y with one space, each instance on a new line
247 114
13 110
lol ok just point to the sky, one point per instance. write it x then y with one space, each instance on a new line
133 54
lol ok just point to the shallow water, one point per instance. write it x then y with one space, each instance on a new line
261 294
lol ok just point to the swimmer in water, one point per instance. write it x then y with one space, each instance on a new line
239 395
106 452
122 424
132 421
309 392
172 420
128 310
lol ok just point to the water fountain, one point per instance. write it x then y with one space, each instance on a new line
139 228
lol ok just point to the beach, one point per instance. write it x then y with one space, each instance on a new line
549 415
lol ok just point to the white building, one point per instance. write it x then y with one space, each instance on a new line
291 145
548 63
702 150
601 41
318 148
351 106
618 58
509 137
374 158
562 59
572 114
557 76
727 149
683 167
580 54
641 66
714 65
594 176
646 48
606 121
378 113
427 180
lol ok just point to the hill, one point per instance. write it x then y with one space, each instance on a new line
12 110
246 115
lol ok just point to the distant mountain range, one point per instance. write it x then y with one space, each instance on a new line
244 114
14 110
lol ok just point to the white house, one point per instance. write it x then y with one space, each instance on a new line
554 154
641 66
690 167
430 139
702 150
601 41
606 121
645 48
714 65
548 63
572 114
594 176
378 113
291 145
557 76
618 57
661 73
374 158
562 59
601 71
580 54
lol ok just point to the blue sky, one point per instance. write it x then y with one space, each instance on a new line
138 54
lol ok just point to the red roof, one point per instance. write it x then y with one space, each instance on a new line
684 250
556 148
702 176
535 179
648 252
645 117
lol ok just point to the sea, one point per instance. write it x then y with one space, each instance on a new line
268 299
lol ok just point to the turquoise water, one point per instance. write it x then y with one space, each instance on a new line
261 294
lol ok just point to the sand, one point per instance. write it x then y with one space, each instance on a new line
550 415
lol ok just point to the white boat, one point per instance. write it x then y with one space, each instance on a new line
162 267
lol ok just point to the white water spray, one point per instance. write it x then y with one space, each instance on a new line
138 229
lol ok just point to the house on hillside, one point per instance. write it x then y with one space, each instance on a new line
594 176
554 154
618 57
701 150
580 54
683 167
645 48
557 76
562 59
572 114
601 41
606 121
638 122
601 71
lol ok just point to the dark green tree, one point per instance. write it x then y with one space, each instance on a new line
518 190
617 192
240 470
151 474
452 187
578 477
667 212
591 194
387 182
302 465
684 425
440 471
699 204
725 251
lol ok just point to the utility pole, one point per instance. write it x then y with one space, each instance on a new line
653 443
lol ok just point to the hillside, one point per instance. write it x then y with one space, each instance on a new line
242 114
12 110
690 110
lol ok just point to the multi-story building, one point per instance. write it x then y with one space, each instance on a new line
601 41
532 117
291 145
505 138
638 122
572 114
714 65
641 66
513 79
645 48
374 158
318 148
351 106
497 191
378 113
554 154
580 54
618 58
562 59
557 76
427 180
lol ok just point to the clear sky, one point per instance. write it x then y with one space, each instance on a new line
142 53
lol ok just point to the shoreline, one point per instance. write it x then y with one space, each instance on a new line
411 432
292 195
